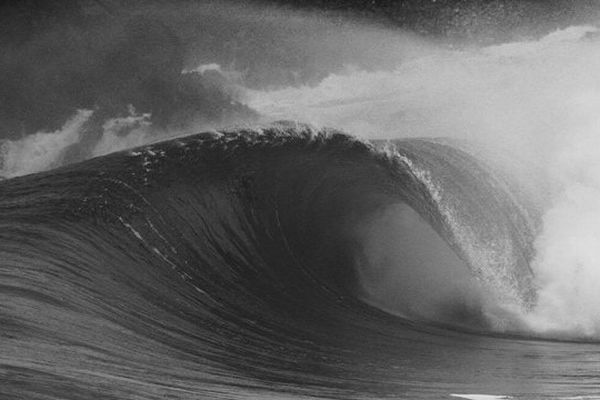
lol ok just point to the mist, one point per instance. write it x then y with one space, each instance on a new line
152 70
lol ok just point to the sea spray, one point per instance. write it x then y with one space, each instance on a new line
533 100
42 150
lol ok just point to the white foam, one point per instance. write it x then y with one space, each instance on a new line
201 69
481 396
42 150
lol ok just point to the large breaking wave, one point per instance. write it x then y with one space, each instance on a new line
529 102
287 258
254 251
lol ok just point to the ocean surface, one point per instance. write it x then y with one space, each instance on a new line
384 215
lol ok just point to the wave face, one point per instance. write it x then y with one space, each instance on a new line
276 262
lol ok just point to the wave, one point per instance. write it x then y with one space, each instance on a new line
289 260
437 91
252 253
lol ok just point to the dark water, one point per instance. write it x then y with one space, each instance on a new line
257 264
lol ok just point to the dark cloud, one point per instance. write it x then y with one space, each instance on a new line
108 55
59 57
